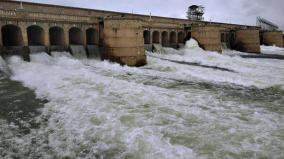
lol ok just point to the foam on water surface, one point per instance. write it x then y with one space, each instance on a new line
248 72
104 110
3 66
99 111
272 50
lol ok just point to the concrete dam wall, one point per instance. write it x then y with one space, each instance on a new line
116 36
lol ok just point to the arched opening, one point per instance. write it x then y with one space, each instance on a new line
56 36
165 38
146 35
173 38
188 36
180 37
75 36
92 36
12 36
35 36
156 37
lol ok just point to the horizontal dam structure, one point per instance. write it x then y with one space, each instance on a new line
272 38
116 36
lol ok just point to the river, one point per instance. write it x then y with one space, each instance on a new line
185 104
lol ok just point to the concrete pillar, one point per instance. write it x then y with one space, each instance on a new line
273 38
247 40
124 42
25 37
84 36
24 32
101 33
66 37
208 37
97 38
176 37
25 50
46 35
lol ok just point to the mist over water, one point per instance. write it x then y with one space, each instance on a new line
166 109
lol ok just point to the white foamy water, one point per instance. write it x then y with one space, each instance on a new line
3 66
272 50
260 73
103 110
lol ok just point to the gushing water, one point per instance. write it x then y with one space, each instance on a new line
163 110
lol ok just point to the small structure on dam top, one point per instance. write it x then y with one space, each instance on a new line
28 28
195 12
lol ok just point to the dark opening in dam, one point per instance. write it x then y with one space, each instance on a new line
165 38
12 36
92 36
147 37
156 37
188 36
75 36
56 36
35 36
173 37
180 37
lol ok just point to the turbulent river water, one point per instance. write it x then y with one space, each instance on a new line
185 104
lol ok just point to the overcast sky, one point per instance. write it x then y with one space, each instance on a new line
229 11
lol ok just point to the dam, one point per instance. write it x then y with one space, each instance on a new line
68 89
119 37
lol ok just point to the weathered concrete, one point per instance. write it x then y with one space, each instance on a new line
247 41
273 38
124 41
208 37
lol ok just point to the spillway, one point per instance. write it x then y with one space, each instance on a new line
98 109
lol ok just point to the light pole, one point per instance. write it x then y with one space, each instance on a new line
21 5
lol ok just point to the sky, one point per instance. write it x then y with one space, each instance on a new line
228 11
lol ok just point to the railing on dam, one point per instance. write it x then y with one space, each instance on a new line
28 15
